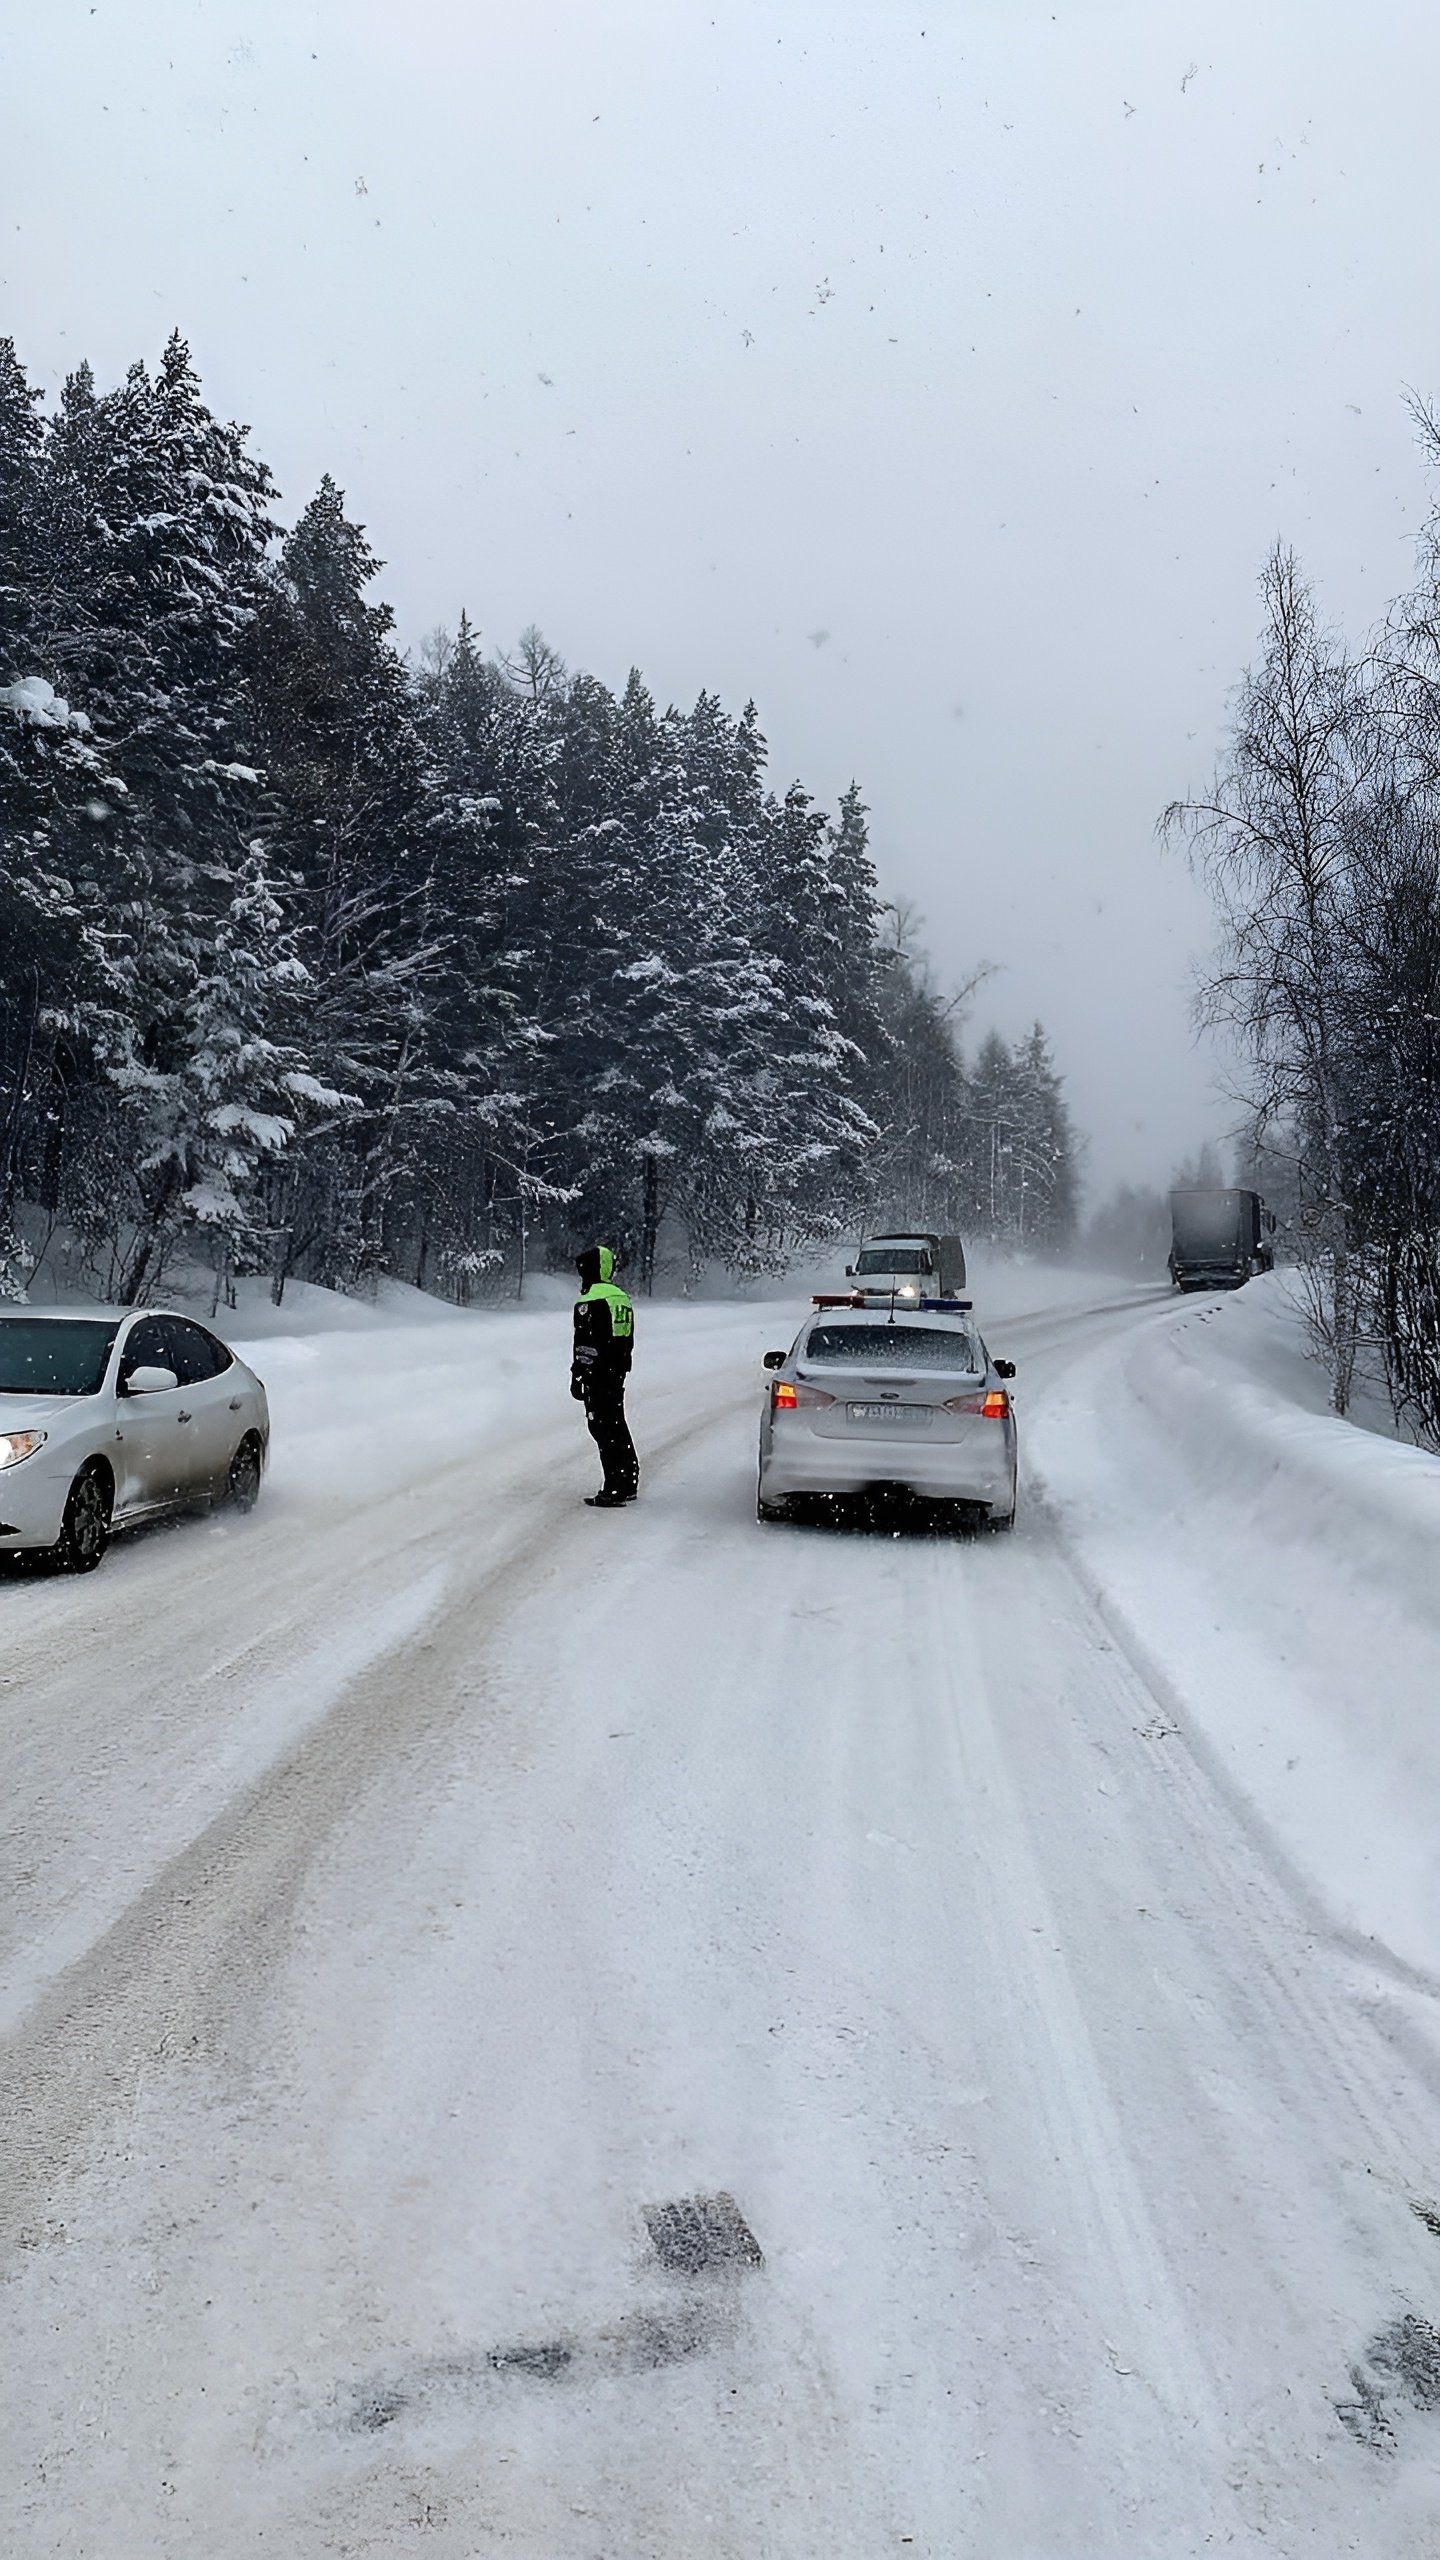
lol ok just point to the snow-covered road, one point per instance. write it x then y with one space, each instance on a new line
412 1886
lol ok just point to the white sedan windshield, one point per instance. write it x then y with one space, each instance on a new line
40 1357
883 1259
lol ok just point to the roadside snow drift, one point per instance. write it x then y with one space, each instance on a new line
1281 1569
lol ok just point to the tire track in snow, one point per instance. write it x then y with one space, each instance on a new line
1068 2087
1301 2131
196 1944
278 1716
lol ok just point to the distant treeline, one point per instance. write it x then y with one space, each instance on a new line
1130 1230
316 961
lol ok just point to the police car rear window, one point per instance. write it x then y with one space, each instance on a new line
894 1346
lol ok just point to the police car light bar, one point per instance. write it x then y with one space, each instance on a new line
921 1306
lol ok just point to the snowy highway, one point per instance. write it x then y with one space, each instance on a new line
411 1888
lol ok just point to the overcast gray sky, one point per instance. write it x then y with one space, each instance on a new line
937 371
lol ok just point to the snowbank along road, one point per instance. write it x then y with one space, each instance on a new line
586 2035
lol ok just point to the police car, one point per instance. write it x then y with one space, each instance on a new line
906 1402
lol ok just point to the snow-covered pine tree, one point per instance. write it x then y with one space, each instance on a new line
1043 1172
21 559
994 1122
56 981
806 1072
626 1026
159 520
246 1087
340 734
47 769
725 1187
486 1173
922 1167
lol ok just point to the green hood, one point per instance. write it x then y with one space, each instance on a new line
596 1266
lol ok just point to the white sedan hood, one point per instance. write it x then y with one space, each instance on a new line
37 1413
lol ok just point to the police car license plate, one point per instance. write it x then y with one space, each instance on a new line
901 1417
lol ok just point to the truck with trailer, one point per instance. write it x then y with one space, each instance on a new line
1219 1239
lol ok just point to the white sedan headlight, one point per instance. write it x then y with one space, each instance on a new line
15 1445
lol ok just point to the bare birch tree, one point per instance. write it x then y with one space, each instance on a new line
1271 841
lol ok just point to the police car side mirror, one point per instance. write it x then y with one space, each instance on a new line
1004 1368
849 1270
773 1360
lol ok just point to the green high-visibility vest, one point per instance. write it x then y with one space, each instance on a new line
622 1314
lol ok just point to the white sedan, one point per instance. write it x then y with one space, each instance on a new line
107 1420
909 1403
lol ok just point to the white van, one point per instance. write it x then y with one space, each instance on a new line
901 1269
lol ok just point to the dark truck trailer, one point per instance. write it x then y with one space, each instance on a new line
1220 1238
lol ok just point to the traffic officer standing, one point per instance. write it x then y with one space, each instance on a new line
599 1367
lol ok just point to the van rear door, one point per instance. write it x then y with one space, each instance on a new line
952 1266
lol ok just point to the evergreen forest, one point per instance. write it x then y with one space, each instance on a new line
323 961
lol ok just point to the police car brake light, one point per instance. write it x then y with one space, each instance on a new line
993 1406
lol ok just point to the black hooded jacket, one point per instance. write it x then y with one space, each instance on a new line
604 1327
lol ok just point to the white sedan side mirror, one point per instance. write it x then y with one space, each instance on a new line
149 1381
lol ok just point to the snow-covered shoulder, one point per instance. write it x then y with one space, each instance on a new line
1278 1566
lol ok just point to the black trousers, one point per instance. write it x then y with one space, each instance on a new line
605 1414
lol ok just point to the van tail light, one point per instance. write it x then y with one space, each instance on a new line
787 1395
994 1407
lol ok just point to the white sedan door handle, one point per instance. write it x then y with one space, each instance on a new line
235 1403
182 1417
